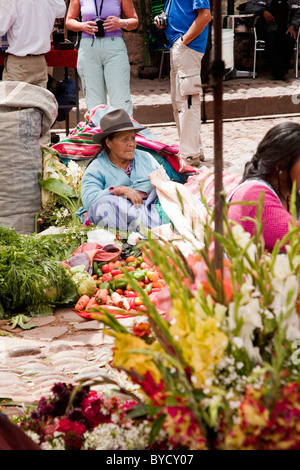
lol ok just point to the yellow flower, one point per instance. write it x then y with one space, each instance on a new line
255 417
138 362
203 348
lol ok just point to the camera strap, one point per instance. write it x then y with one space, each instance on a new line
98 16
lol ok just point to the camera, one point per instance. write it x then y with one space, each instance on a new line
100 33
162 19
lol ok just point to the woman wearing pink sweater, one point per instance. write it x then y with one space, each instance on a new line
272 171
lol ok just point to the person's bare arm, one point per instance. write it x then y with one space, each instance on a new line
198 25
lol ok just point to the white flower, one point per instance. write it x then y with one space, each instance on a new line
285 294
242 238
238 342
282 267
74 172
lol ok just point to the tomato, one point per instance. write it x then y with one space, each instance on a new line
131 259
105 268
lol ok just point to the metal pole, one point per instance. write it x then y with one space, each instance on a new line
218 74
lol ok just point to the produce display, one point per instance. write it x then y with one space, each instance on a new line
113 288
35 276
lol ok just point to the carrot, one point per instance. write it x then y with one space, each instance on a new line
92 304
101 296
117 299
121 302
82 303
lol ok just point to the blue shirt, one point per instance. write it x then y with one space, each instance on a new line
181 14
102 174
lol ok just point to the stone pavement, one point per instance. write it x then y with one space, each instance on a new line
64 346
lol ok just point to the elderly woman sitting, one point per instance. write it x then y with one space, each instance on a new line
115 189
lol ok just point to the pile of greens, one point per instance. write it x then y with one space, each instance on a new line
32 277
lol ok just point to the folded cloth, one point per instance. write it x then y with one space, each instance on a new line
89 252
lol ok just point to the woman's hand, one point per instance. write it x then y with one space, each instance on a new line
291 30
131 194
89 27
268 17
111 23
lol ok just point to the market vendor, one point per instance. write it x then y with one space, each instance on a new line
272 171
116 191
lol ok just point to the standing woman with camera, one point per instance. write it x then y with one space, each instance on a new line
103 63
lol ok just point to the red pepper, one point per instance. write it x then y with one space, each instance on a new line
106 277
131 301
114 272
130 293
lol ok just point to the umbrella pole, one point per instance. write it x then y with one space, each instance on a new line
218 74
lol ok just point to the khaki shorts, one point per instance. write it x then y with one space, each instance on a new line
29 69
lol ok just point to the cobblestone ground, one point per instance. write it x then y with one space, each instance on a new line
240 139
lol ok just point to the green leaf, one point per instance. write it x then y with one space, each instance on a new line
21 321
156 427
58 187
138 412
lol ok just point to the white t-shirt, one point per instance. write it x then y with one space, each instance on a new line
29 24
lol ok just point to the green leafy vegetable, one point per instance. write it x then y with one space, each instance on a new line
32 277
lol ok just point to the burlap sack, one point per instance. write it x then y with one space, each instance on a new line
26 114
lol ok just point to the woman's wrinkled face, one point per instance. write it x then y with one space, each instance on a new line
122 145
295 174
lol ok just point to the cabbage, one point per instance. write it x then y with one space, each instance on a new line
85 284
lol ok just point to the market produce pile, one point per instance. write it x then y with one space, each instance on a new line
113 287
35 276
